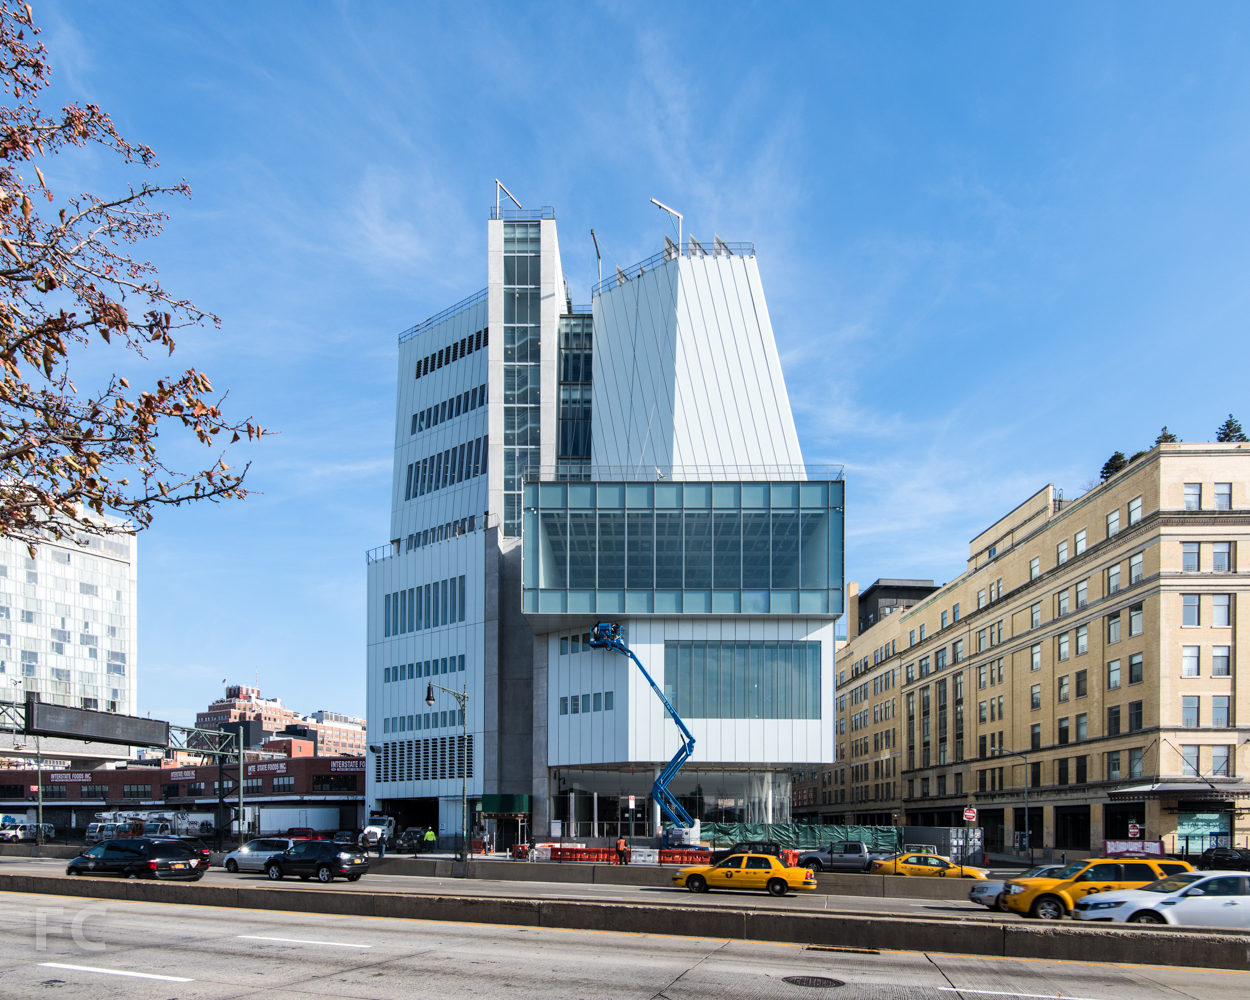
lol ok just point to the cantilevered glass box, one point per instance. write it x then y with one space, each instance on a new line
689 548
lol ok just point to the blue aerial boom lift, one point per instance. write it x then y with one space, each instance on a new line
606 635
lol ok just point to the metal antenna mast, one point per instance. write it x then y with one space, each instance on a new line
678 217
499 187
598 256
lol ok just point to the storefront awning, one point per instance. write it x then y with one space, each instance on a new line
1183 791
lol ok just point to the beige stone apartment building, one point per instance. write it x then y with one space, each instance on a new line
1090 649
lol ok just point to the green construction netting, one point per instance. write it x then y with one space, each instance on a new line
800 836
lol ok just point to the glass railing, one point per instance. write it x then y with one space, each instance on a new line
665 548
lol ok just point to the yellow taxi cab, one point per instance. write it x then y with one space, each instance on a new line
746 871
1053 898
925 866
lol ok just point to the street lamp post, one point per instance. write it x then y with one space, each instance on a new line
462 699
1028 843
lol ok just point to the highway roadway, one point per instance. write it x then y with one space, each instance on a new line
378 882
71 948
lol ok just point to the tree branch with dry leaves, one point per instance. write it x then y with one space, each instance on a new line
74 462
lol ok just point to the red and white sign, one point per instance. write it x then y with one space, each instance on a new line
276 768
970 815
348 765
34 788
631 800
1134 831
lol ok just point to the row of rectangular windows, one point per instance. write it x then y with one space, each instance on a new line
423 668
432 759
449 409
423 721
447 468
453 352
419 608
452 529
597 702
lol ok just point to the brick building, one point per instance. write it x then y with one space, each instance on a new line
259 719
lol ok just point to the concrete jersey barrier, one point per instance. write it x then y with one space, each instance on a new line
1145 945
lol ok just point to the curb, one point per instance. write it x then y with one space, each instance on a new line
1146 945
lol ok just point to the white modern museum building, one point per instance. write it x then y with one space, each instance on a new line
634 461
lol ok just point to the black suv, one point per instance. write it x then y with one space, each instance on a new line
1224 859
319 859
747 847
140 857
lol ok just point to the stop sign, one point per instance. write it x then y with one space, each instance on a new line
970 814
1134 831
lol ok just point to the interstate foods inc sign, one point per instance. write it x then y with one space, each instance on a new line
355 764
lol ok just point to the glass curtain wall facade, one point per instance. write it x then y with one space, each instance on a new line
576 371
522 269
683 548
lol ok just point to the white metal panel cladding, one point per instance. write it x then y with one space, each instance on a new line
636 730
688 372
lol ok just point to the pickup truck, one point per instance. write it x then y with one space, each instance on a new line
847 856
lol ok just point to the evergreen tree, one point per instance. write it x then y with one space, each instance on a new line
1113 465
1166 436
1230 430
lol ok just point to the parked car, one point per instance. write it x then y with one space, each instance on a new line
925 866
345 837
847 856
1190 899
1228 859
139 857
747 847
409 842
746 871
255 854
991 892
302 833
1053 897
318 859
26 832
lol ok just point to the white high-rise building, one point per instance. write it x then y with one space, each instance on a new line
634 461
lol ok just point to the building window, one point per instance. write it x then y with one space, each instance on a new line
1035 616
1219 761
957 649
1082 685
1135 762
1190 712
334 782
1082 727
1113 523
564 706
1063 731
286 784
922 633
980 598
943 619
1035 696
1189 760
1113 675
1134 510
1220 617
1220 557
1035 736
980 640
1061 552
1035 657
715 680
1135 668
1035 567
1063 602
1135 620
1134 716
1080 541
1113 720
136 791
102 791
1135 568
1035 776
1189 615
1082 594
941 784
1223 496
1062 771
1063 646
1220 661
1221 709
1063 688
1113 579
911 788
1113 765
1113 627
1193 496
912 638
924 788
1190 562
1082 640
955 613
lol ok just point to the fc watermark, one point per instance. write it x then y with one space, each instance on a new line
52 920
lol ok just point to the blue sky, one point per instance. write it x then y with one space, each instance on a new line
999 242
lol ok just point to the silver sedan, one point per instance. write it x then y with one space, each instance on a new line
251 857
990 892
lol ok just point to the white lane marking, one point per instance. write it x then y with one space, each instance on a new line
330 944
114 972
997 993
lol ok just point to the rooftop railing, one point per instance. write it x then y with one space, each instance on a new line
689 473
446 314
523 214
692 248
